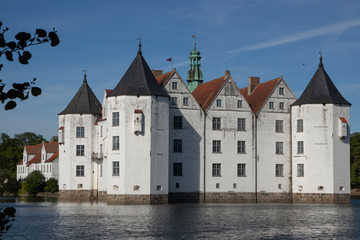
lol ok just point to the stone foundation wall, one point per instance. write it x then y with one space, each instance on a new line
186 197
321 198
137 198
75 194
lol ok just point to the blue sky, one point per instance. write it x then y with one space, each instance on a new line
250 38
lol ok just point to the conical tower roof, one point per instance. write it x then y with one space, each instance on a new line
84 102
138 80
321 90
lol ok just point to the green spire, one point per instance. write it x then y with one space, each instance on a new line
194 75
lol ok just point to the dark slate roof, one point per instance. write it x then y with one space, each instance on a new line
138 80
84 102
321 90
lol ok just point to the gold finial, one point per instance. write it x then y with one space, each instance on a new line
139 51
194 37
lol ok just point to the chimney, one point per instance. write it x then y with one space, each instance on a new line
157 72
227 73
253 82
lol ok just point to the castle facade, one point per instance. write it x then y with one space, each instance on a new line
156 139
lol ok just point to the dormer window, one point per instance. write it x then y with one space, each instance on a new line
239 104
271 105
174 100
174 85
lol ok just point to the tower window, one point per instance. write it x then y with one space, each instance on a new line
241 122
216 170
279 148
300 147
279 126
216 146
241 170
115 119
116 168
178 122
116 143
177 169
241 147
80 150
80 170
300 125
300 170
80 132
218 103
279 170
177 145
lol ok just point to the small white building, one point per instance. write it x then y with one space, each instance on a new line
155 139
43 157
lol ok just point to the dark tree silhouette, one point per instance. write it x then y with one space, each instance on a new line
7 215
17 47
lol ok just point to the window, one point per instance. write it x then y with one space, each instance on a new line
178 122
281 91
300 147
241 124
115 119
101 131
239 103
281 105
241 170
177 185
300 125
279 126
216 123
80 171
177 170
177 145
218 102
174 100
101 170
185 101
80 150
279 170
279 148
216 170
217 185
116 168
216 146
300 170
271 105
115 144
174 85
241 147
80 132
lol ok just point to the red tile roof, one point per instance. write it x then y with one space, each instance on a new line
164 78
33 149
343 120
20 163
61 128
53 157
35 159
205 93
138 111
260 94
51 147
107 91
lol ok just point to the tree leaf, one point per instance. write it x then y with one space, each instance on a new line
41 33
35 91
2 40
19 86
12 94
8 227
11 45
23 36
22 44
10 105
54 39
9 56
26 55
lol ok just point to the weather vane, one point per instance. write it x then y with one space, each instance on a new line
140 39
84 71
194 37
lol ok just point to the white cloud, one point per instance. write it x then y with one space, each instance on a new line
330 29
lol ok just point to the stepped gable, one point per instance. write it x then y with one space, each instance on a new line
261 94
205 93
84 102
138 80
321 90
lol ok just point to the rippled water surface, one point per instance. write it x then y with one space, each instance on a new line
59 220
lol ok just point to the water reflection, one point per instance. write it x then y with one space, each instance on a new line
61 220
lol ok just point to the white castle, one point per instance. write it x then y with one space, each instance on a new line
155 139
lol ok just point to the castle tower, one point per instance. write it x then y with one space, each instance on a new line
321 143
76 136
137 146
194 75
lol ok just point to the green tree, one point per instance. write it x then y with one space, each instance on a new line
34 182
355 159
22 41
29 138
52 185
8 183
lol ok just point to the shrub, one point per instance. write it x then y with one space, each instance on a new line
52 185
34 183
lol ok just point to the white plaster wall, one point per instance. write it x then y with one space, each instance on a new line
325 157
266 142
229 158
67 152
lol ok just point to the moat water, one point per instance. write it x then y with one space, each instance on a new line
48 219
